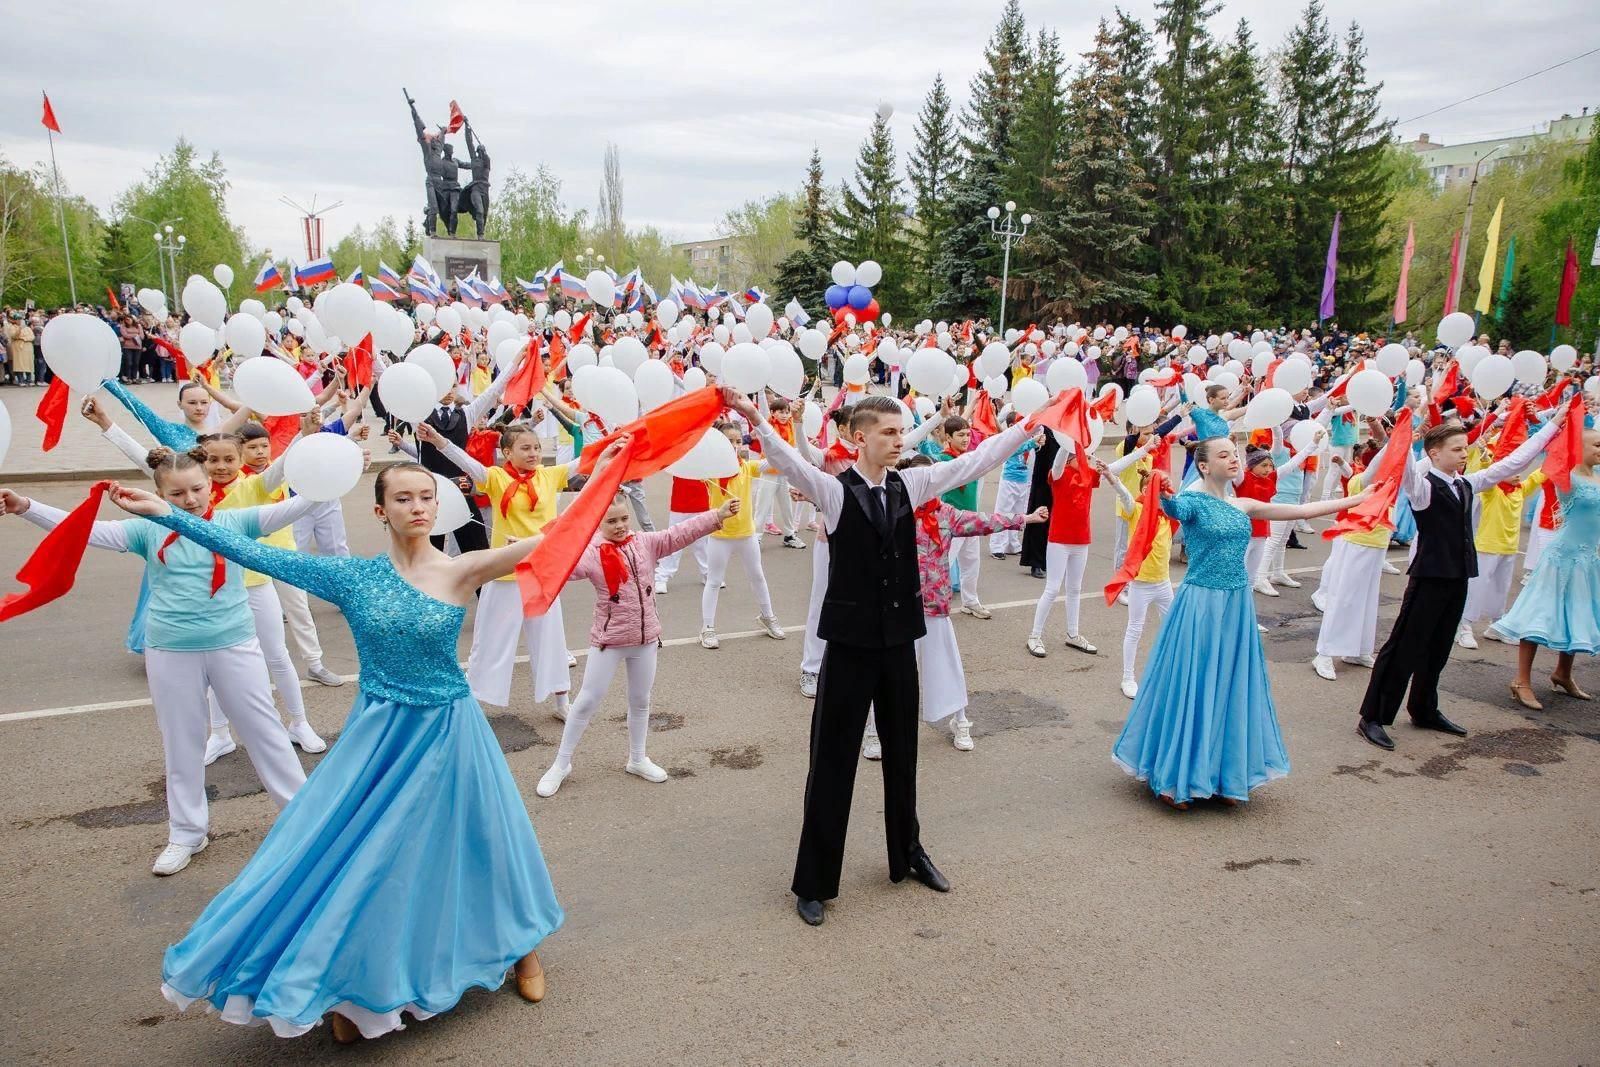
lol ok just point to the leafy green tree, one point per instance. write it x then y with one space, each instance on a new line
184 185
1518 319
531 223
33 265
766 234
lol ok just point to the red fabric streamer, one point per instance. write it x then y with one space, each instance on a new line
558 355
1569 285
1565 450
50 571
928 518
219 566
1552 396
281 432
1385 483
1448 383
1167 378
528 379
1272 372
662 437
358 364
179 362
1144 532
1513 432
111 296
1067 414
983 419
546 569
1105 408
52 411
576 333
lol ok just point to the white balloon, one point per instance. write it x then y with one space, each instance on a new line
204 301
508 351
1066 373
562 320
907 419
294 326
1293 375
628 355
944 340
741 334
694 378
1529 367
1194 388
1269 408
1180 332
1468 356
1142 407
1592 386
1195 356
1239 349
81 349
246 336
346 311
711 356
270 386
869 273
322 466
424 314
993 360
500 330
273 322
223 274
1415 372
440 367
1491 376
601 289
747 367
667 313
580 356
1563 358
1370 392
759 320
449 320
1228 380
711 457
453 510
856 369
812 344
1303 436
887 353
199 342
788 374
810 420
1029 395
613 397
995 386
654 382
1455 329
930 371
409 392
1392 359
844 274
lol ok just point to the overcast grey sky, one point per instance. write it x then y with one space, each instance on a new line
708 111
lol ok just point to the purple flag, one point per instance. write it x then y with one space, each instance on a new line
1326 312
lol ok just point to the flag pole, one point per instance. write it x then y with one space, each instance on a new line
61 214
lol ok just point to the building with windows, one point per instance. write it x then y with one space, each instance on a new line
717 260
1449 164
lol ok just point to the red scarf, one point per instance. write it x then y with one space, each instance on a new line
50 571
219 566
1143 537
1068 414
52 411
613 564
519 483
1565 450
1512 434
928 517
218 491
983 418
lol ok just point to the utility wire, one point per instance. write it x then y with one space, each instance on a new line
1497 88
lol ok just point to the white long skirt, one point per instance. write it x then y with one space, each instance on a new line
940 678
1349 589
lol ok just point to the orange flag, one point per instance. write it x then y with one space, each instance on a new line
1391 469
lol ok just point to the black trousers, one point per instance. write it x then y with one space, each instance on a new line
1416 651
851 681
470 536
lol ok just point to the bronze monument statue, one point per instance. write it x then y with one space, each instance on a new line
475 197
442 193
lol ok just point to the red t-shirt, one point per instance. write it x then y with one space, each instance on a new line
1255 487
689 496
1069 507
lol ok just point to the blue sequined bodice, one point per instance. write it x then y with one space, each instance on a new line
1580 520
1216 535
406 639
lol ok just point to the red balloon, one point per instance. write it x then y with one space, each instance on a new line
868 313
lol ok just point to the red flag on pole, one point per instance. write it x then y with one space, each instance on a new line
1455 274
1569 287
49 116
358 364
457 119
1399 313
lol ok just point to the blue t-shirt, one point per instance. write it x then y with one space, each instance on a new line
1290 483
1343 430
1016 466
184 616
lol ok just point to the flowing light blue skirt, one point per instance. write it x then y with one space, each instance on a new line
403 873
1405 522
1203 723
1559 608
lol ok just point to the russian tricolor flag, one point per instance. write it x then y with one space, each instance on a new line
387 275
573 287
467 292
382 290
496 292
268 277
421 291
357 278
755 296
315 272
539 289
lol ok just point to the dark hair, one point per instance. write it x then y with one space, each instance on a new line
1214 389
1438 435
779 403
381 485
162 460
953 424
204 439
512 431
865 412
253 431
916 459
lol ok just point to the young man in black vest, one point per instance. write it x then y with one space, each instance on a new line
1424 632
871 619
454 421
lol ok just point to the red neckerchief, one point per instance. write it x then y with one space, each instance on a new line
522 482
928 515
613 564
952 455
218 491
219 568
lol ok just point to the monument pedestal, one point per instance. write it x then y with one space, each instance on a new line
457 257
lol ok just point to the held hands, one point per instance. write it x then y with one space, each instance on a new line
1038 514
91 411
613 450
13 503
138 501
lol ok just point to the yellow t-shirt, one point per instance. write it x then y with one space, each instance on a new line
1378 536
1130 480
1499 514
1157 564
482 378
744 523
520 521
250 491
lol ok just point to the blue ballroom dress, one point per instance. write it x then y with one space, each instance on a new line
1203 723
405 871
1559 608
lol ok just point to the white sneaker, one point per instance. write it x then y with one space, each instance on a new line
708 638
1465 638
1122 598
1130 688
1036 646
646 769
552 779
1081 643
976 610
175 858
303 735
870 748
1260 629
1285 581
793 541
1390 568
1264 587
572 661
1317 601
1491 634
323 676
808 685
1302 526
961 736
1359 661
661 587
1323 665
774 631
217 746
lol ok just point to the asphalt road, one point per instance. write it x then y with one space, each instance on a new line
1437 905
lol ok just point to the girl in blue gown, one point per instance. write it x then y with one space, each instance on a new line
1203 724
405 871
1559 608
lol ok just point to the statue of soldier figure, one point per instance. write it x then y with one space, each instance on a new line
475 197
442 189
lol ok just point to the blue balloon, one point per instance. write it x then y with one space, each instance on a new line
836 297
860 296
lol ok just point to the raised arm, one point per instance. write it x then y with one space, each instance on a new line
174 435
485 401
271 518
92 410
1515 465
212 391
825 491
1117 466
469 466
111 536
925 483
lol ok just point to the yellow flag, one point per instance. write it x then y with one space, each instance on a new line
1486 272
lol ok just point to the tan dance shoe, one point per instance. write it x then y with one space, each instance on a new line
530 987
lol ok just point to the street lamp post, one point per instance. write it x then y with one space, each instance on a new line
169 246
1466 226
1007 231
161 229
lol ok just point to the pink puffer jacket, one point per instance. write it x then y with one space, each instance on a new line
630 618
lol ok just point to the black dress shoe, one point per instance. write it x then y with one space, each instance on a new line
1374 733
923 870
810 910
1440 723
998 555
1036 572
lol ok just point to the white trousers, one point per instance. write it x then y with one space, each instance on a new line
1063 577
1538 537
1272 557
320 531
811 654
178 683
1119 550
268 615
495 633
600 668
302 628
1253 556
1142 596
1329 475
1486 594
942 682
967 553
668 565
772 502
634 491
719 550
1011 498
1349 588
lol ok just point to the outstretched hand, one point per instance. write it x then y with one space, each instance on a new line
736 400
729 508
93 412
138 501
1038 514
12 502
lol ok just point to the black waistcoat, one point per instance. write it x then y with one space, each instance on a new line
874 597
1444 534
452 426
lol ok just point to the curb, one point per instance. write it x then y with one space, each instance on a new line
120 473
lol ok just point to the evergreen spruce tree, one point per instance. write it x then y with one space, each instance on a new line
872 217
1518 320
1038 129
1306 66
803 274
932 169
1133 57
1181 80
1356 181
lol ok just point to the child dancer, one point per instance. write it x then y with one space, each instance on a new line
968 555
689 498
772 490
1011 496
735 538
1289 488
1347 593
1151 586
522 499
1497 539
626 629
